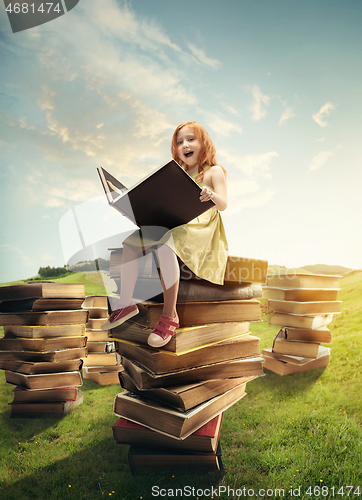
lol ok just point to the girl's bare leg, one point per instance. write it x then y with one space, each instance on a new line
170 279
129 274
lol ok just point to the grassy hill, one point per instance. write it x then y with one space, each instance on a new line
326 269
313 269
303 430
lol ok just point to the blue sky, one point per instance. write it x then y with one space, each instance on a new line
277 84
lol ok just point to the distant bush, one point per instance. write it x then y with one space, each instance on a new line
91 265
47 272
87 266
83 267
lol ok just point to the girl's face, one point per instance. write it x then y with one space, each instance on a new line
188 146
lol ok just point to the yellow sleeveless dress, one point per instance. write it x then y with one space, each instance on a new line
201 244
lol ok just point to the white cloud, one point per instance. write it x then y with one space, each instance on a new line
321 139
75 190
151 123
120 21
221 125
18 252
325 110
231 110
256 107
320 159
107 102
287 114
23 124
247 194
252 165
54 203
47 258
201 57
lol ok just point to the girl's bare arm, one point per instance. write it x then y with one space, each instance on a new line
219 195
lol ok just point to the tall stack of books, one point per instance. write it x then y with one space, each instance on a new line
102 362
175 396
43 346
302 304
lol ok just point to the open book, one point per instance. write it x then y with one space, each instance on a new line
166 198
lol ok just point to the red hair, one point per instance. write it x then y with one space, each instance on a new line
207 154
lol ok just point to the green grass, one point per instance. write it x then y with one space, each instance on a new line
301 430
93 282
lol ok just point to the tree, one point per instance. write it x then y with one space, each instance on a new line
47 272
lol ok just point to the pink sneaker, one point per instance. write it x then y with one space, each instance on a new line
119 316
163 331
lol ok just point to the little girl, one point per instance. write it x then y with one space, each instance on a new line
201 244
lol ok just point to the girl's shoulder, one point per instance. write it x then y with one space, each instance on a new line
214 172
213 169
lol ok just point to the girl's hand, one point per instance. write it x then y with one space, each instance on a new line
206 194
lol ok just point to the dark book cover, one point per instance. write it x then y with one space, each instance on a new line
158 199
42 289
51 409
141 458
40 304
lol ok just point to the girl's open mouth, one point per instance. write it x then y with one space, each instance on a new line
188 154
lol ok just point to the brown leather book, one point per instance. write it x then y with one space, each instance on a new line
42 290
246 367
41 344
184 397
34 318
172 422
239 270
44 356
311 308
29 368
183 338
204 439
202 313
294 280
143 458
42 332
44 395
281 367
158 361
44 380
50 409
23 305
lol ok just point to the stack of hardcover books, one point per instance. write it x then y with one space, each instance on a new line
303 304
175 396
102 363
43 346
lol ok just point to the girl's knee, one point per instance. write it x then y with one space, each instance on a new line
165 250
130 252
